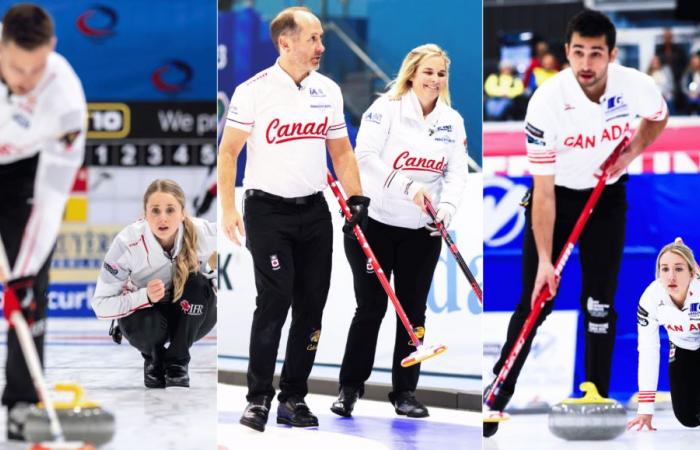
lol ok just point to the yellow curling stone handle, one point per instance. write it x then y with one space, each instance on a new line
76 402
591 396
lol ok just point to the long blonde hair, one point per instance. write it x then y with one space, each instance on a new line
186 261
402 83
679 248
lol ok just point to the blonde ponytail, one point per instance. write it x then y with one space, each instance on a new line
186 261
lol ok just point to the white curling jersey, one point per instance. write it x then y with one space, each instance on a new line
656 309
288 126
134 258
396 146
49 120
570 137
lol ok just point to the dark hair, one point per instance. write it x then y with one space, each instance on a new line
27 25
284 23
590 23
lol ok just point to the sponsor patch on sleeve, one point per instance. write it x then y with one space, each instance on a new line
111 268
535 141
642 315
533 130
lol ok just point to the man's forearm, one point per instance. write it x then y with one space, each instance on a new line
226 181
345 166
647 133
543 214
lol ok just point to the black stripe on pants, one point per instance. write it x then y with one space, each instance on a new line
684 378
292 249
600 252
411 255
16 191
181 323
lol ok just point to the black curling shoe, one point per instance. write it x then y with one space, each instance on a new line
296 413
176 376
406 404
255 414
499 404
153 373
346 402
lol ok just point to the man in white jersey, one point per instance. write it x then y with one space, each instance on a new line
287 114
573 123
671 301
42 137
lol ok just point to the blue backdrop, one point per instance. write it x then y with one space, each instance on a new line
659 210
159 50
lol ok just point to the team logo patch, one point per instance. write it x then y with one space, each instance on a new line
596 309
533 130
373 117
534 141
642 316
598 328
313 340
21 120
615 107
369 267
191 309
316 92
111 268
694 313
275 262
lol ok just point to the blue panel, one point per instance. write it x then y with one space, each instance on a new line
659 210
158 50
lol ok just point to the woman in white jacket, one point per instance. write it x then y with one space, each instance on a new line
671 301
410 146
156 283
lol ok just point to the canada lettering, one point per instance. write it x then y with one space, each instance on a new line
278 133
407 162
581 141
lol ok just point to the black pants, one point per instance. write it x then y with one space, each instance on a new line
600 252
16 192
684 374
292 248
411 255
181 323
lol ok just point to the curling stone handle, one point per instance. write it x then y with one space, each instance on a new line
78 392
591 392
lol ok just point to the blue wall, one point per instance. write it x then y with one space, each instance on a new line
159 50
659 206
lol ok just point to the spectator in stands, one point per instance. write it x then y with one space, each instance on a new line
676 58
541 49
501 90
549 67
690 85
663 77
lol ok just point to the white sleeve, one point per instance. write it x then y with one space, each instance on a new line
241 112
540 133
59 162
337 128
115 296
206 232
649 348
369 146
647 100
457 170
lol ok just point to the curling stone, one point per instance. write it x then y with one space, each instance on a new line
81 420
590 418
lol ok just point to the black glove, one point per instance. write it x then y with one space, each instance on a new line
19 295
359 208
115 332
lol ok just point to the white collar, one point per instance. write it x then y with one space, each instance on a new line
286 78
